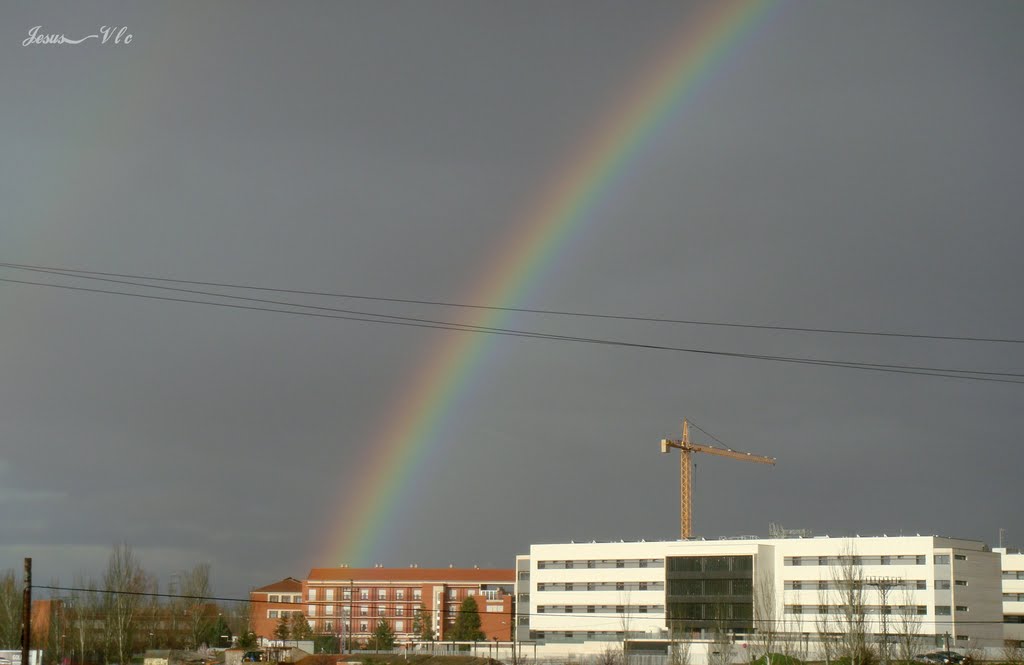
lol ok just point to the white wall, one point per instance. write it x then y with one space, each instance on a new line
982 622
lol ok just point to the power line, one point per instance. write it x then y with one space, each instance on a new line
150 594
344 602
445 324
952 373
285 303
526 310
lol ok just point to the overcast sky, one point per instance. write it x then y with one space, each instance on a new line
847 165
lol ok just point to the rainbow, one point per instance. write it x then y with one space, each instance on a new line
368 505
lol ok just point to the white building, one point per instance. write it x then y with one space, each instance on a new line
585 597
1013 594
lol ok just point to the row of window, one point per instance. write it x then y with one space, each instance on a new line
600 563
277 614
1013 597
364 594
601 586
712 587
879 636
944 610
868 609
833 585
364 626
714 611
710 564
364 610
576 635
856 560
1013 574
940 610
944 584
599 609
284 598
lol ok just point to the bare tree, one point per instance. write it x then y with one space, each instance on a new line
974 652
909 640
55 636
720 651
680 643
151 625
81 611
1013 652
794 643
766 636
10 610
790 641
851 623
125 582
196 590
240 615
826 627
610 656
625 619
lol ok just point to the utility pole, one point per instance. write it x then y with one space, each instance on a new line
513 620
351 617
884 584
686 448
26 614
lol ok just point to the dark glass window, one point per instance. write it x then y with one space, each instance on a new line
742 587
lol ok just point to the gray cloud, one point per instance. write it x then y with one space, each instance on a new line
851 165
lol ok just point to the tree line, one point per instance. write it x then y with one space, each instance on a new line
108 619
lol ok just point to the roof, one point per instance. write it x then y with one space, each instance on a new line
287 584
413 574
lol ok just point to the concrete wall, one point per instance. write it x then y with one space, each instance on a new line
802 574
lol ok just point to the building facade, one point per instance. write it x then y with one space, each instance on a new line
1013 595
351 602
268 604
583 597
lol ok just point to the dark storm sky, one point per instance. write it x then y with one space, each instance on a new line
851 165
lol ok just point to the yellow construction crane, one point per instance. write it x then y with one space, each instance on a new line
686 449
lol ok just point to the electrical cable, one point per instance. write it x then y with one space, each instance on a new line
967 374
581 615
567 313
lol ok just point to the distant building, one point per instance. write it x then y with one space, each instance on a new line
585 597
47 617
1013 594
271 602
350 602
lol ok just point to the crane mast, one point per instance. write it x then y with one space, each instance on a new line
686 449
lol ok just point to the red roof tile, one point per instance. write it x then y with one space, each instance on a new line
504 575
287 584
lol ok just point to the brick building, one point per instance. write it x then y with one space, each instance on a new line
350 602
271 602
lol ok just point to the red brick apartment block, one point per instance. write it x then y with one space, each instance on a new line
350 602
269 603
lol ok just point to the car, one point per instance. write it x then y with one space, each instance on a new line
943 658
254 657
